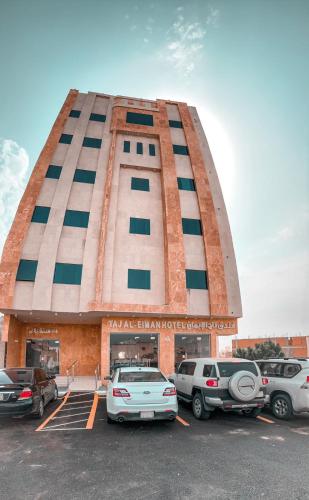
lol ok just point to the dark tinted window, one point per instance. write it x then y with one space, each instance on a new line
66 138
196 279
186 184
140 184
227 369
26 270
126 146
175 123
74 113
141 377
139 118
187 368
96 117
53 172
91 142
139 279
209 371
15 376
86 176
271 369
139 148
69 274
290 370
180 150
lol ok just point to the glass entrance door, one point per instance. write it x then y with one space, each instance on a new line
191 346
129 349
43 354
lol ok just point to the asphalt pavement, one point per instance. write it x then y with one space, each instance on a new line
227 457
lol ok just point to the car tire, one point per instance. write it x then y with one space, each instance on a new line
281 406
55 396
110 420
40 411
198 409
252 412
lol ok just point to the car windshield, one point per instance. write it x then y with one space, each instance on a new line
228 369
15 377
141 377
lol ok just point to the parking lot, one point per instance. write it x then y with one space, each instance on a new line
72 453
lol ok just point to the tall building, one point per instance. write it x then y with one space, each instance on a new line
120 248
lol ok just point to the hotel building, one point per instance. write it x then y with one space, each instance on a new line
120 248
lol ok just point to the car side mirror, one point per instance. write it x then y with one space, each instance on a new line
108 377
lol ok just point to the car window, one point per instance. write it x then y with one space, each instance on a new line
290 370
187 368
271 369
141 377
209 371
15 376
227 369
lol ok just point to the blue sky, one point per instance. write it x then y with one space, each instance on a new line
242 63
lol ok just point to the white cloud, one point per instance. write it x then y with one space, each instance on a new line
185 41
14 170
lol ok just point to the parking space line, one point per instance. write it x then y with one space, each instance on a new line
43 424
92 413
182 421
75 408
67 423
74 415
80 402
80 394
264 419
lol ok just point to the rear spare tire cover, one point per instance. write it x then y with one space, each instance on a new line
244 386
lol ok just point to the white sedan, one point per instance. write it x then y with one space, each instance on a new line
140 393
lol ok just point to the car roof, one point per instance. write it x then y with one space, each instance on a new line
137 369
220 360
301 361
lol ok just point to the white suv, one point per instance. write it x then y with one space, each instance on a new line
288 386
229 384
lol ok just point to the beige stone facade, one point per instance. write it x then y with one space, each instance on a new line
84 314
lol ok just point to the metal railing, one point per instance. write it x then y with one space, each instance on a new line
97 376
71 372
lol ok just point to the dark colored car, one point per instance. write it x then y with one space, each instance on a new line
25 391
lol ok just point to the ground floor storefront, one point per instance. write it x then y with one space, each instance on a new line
163 343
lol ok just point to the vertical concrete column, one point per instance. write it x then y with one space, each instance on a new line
43 285
13 358
104 222
214 258
167 351
176 295
214 345
105 351
14 242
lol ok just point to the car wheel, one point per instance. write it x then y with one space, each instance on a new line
55 396
252 412
110 420
40 411
198 408
281 407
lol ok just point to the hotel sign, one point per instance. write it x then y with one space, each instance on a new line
43 330
176 325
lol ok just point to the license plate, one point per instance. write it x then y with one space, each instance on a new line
147 414
1 396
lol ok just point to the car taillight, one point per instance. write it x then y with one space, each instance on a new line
169 391
212 382
307 381
265 381
120 393
26 394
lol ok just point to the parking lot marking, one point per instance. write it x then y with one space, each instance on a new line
264 419
80 394
74 415
75 408
67 423
80 402
43 424
182 421
92 412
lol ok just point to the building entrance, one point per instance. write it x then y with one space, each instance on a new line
191 346
43 354
127 348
